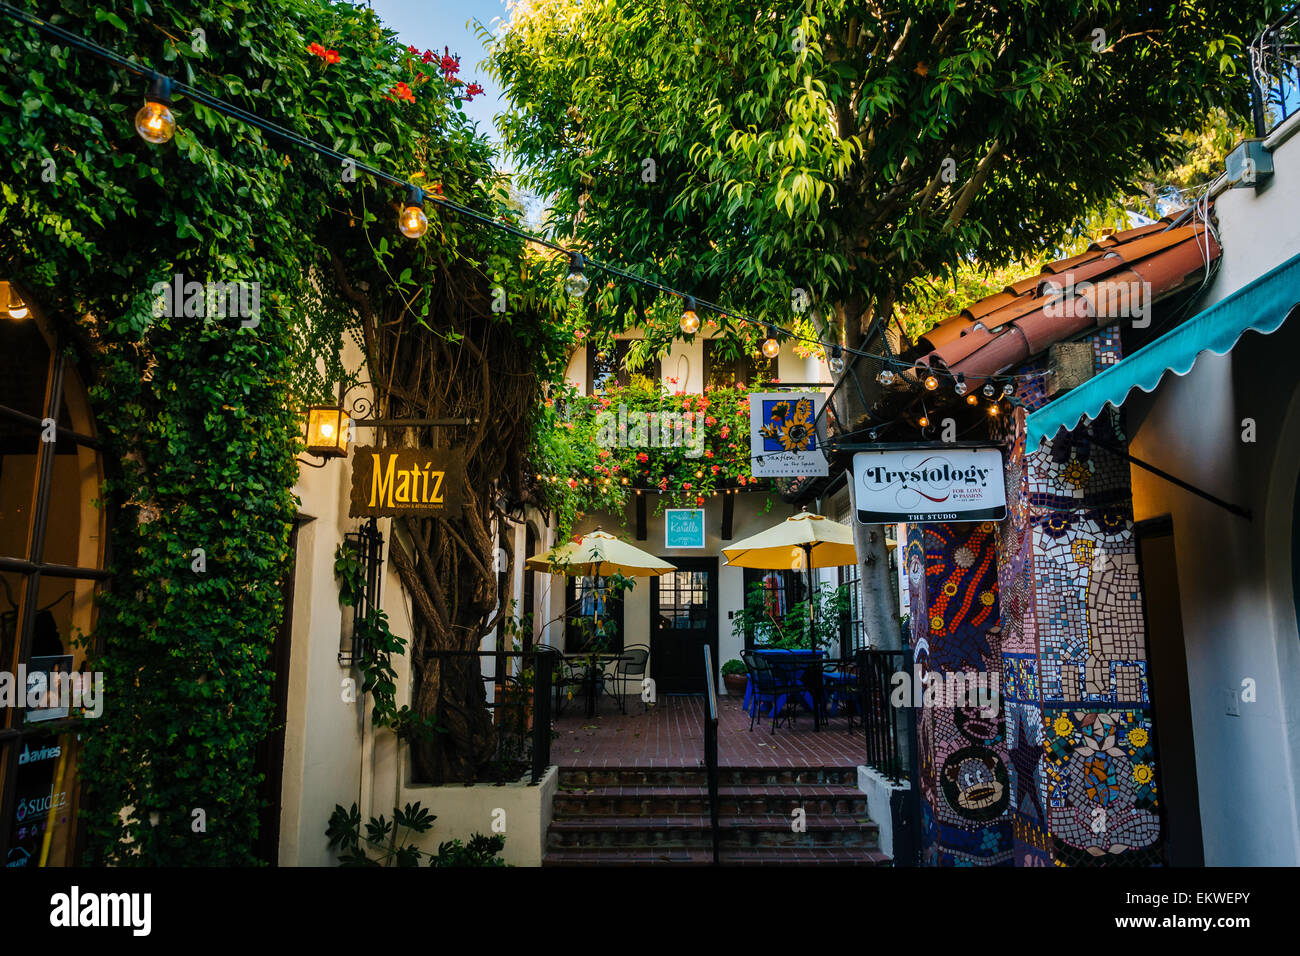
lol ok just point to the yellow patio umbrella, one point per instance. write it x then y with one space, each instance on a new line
799 543
599 554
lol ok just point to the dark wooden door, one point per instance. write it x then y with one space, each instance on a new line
683 618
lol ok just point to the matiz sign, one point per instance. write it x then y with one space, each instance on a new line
929 484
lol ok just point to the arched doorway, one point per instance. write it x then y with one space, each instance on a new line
52 535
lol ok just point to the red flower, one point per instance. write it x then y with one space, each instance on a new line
411 49
450 64
708 453
642 457
715 471
472 91
332 56
428 56
315 49
710 420
403 92
699 499
663 484
687 486
573 483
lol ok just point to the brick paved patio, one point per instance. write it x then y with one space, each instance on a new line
671 734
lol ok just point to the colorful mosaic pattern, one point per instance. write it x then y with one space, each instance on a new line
965 773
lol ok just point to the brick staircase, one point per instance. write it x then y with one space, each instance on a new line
622 816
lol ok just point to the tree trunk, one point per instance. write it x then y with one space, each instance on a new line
879 592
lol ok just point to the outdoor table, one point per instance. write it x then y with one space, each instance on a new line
595 673
812 699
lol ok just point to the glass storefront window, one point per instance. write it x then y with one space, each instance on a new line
51 561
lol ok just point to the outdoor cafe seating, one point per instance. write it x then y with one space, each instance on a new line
782 681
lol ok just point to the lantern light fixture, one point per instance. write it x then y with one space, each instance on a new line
154 121
327 431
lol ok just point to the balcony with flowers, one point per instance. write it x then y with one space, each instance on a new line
597 453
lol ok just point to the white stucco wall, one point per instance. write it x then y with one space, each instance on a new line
1234 575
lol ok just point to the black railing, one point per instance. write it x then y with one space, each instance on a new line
711 745
520 708
367 547
876 670
1275 72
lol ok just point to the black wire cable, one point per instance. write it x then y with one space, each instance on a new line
229 109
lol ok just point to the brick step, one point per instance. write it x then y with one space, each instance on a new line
804 856
587 777
763 830
696 856
821 799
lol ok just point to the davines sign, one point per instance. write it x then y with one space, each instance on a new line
412 482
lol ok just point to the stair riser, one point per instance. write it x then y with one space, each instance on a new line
573 806
576 778
669 839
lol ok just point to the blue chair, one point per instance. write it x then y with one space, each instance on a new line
773 687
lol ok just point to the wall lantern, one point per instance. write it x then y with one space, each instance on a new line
327 431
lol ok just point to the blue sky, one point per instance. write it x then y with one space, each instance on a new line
434 24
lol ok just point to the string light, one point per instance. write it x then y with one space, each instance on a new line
931 383
988 390
154 121
412 221
771 347
972 399
690 321
836 361
923 421
993 410
960 388
16 308
886 377
577 283
1008 389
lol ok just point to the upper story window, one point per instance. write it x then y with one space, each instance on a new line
721 368
606 366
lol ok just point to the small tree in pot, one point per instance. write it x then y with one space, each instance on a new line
734 677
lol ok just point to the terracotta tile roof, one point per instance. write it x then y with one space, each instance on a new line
1029 316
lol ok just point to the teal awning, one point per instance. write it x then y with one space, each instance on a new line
1263 306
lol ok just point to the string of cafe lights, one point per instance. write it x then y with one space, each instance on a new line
155 123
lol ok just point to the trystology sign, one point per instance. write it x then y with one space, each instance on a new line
928 484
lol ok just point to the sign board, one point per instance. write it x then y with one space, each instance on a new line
683 527
783 442
410 482
929 483
47 679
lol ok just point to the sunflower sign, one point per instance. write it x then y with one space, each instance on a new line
783 439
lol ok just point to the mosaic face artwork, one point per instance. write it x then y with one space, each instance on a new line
965 785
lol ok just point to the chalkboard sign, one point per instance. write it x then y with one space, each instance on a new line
684 528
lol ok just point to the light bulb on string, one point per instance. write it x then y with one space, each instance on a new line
690 321
972 399
16 307
411 221
988 390
836 362
923 421
154 121
1008 390
960 388
993 410
771 347
886 377
931 382
577 283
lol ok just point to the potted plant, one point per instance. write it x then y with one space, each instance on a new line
734 677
